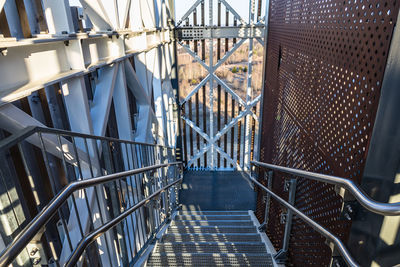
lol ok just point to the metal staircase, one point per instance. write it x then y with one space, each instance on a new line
131 193
211 238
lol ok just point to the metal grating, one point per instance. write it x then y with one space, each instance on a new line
210 247
217 212
325 65
213 223
208 259
211 238
212 217
211 229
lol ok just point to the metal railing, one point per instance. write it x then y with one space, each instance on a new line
388 209
74 257
21 241
96 183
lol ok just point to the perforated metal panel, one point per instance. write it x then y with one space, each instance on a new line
324 69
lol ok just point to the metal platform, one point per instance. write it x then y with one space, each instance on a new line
216 190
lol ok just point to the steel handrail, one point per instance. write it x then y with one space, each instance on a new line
89 238
339 244
386 209
40 220
30 130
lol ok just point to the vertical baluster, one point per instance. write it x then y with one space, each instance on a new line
226 94
239 137
116 202
140 237
28 173
97 194
60 211
203 57
233 130
130 196
84 190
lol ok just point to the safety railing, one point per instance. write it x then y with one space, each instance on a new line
81 187
388 209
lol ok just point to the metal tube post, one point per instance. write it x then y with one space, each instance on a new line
268 175
211 55
268 200
281 256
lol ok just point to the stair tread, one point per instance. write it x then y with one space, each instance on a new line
211 238
210 226
211 247
248 234
213 223
224 243
210 254
212 217
212 212
210 259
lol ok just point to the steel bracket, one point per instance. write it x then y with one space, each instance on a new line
284 217
281 256
36 253
349 210
265 198
338 261
3 51
286 185
262 227
154 203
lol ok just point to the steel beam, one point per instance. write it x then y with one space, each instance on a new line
58 16
206 32
101 103
249 90
146 116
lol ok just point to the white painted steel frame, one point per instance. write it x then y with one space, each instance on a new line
63 57
248 104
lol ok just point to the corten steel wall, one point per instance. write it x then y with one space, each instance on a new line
324 68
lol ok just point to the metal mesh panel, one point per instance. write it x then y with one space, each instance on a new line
325 65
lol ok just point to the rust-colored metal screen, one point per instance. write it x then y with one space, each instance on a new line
324 69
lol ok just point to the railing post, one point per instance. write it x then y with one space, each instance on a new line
268 176
281 256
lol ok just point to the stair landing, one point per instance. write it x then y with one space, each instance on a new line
217 190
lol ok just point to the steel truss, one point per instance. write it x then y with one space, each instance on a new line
252 30
125 47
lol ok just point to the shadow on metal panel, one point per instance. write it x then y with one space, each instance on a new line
216 190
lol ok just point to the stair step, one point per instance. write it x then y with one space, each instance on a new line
211 247
211 238
212 223
212 217
210 259
211 229
213 212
